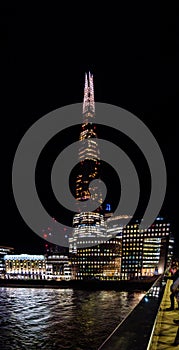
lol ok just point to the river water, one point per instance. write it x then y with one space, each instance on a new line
32 318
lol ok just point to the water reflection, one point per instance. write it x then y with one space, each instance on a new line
60 318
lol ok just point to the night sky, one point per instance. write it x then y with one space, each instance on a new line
43 69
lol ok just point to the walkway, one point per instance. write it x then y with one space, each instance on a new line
165 330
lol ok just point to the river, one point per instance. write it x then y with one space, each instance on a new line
55 319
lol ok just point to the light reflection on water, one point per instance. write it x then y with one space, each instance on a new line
50 319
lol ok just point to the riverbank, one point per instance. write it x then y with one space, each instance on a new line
122 285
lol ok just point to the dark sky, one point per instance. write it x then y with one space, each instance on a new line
136 68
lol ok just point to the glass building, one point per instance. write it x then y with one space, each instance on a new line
89 155
101 245
94 252
146 252
89 229
98 262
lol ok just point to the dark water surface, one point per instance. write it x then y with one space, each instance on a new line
32 318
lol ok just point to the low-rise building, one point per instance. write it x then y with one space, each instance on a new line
25 266
3 251
58 267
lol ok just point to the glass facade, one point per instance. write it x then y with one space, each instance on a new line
98 262
145 252
101 245
94 252
89 155
89 229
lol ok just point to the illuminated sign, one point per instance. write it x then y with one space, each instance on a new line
108 207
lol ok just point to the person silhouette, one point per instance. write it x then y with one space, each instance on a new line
174 291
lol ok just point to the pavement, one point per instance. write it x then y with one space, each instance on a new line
165 329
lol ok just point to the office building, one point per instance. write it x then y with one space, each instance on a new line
145 252
58 267
25 266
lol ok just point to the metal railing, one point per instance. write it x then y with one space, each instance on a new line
134 332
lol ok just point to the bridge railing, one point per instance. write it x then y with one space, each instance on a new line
134 332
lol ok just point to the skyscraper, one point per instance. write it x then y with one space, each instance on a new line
89 227
89 155
93 253
102 245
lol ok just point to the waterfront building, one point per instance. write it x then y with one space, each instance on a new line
89 229
100 261
3 251
145 252
25 266
58 267
101 245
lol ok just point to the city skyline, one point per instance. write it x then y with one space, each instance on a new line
167 208
144 84
102 131
134 63
129 253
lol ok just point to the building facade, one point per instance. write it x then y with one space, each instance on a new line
89 230
101 261
3 252
58 267
25 266
145 252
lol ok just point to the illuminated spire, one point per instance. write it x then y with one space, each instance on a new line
86 93
88 101
91 92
